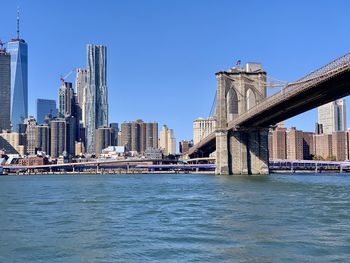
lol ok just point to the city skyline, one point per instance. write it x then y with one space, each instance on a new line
128 61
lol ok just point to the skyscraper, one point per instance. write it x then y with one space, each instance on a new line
66 100
80 86
43 108
167 141
58 137
332 116
18 49
103 139
5 90
96 106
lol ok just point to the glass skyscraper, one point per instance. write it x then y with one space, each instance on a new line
45 107
96 105
18 49
5 90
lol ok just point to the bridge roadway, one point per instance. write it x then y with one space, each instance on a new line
324 85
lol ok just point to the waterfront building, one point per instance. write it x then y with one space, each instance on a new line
79 148
332 116
185 145
12 142
167 141
323 146
18 49
33 161
202 128
44 108
137 136
279 143
66 100
58 137
153 154
5 90
103 139
294 144
308 145
339 146
96 104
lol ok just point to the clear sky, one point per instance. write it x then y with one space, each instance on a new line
162 55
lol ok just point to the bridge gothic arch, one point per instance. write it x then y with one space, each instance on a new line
231 104
250 99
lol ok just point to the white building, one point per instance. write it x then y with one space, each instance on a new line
202 128
332 116
167 141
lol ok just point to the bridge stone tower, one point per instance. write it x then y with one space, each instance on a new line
243 150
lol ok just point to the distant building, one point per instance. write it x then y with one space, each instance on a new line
308 145
33 161
80 85
5 90
103 139
79 148
154 154
202 128
167 141
323 146
45 108
332 116
31 135
279 144
185 145
318 128
58 137
294 144
339 146
18 49
137 136
96 104
66 100
114 136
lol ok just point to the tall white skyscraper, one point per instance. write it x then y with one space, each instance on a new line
96 104
167 141
202 128
80 85
332 116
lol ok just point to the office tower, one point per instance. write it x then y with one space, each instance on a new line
18 49
45 108
294 144
31 135
138 135
71 132
96 106
185 145
279 144
66 100
114 136
339 146
58 137
42 138
12 142
5 90
202 128
167 141
80 86
332 116
103 139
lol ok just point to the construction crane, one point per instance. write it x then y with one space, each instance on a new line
63 79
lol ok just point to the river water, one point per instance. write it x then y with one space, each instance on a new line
175 218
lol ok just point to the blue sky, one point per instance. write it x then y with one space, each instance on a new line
162 55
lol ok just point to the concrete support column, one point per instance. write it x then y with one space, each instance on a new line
248 152
221 153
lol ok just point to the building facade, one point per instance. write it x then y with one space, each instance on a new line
96 105
45 108
103 139
58 137
66 100
5 90
295 150
202 128
185 145
332 116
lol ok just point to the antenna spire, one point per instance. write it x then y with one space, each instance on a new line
18 23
